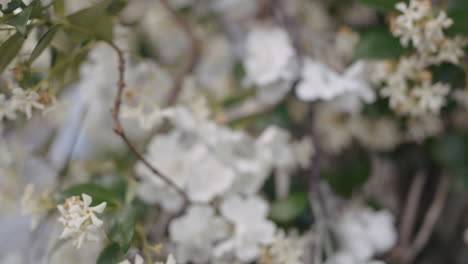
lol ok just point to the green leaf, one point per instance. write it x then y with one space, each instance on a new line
378 43
37 9
20 20
59 7
94 21
97 192
111 254
9 49
123 227
458 5
43 43
116 6
381 5
290 208
450 151
349 172
460 25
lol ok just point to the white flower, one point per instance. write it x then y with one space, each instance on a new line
364 233
196 232
6 109
4 4
421 127
138 260
430 98
252 230
276 148
191 166
321 82
285 250
79 219
34 206
25 101
170 260
27 2
268 54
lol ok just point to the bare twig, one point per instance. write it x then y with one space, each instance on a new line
192 60
121 132
429 221
411 208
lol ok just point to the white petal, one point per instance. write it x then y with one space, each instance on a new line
87 200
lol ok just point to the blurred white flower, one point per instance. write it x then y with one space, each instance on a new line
421 127
276 147
363 233
319 82
79 219
170 260
270 62
196 232
284 250
25 101
252 230
268 54
138 260
35 205
4 4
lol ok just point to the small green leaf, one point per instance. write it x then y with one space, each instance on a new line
381 5
123 227
43 43
97 192
20 20
349 172
378 43
59 7
94 21
290 208
460 25
111 254
37 9
9 49
450 151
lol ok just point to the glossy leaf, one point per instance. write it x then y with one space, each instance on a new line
381 5
20 20
112 254
9 49
123 227
99 194
378 43
288 209
43 43
94 21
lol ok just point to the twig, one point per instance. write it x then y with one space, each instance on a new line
429 221
411 208
121 132
192 60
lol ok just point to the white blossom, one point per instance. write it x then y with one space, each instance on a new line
252 230
25 101
138 260
79 219
285 250
196 232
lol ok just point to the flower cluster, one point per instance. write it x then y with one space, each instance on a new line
417 25
20 101
362 234
79 219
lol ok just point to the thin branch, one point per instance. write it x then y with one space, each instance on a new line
430 220
192 60
121 132
411 208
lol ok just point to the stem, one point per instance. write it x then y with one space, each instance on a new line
121 132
